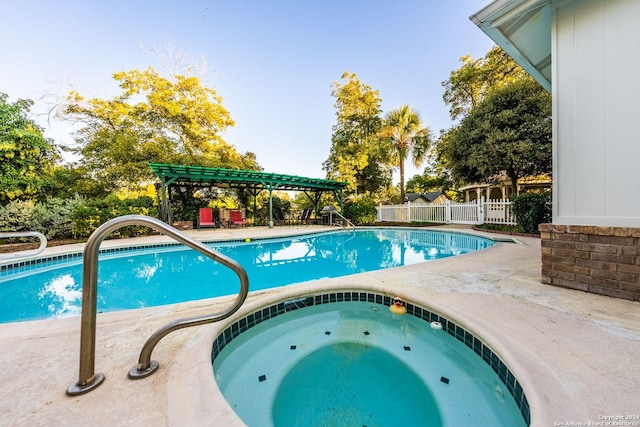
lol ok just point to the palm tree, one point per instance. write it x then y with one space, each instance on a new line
405 133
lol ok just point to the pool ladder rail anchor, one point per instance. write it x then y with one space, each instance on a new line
88 379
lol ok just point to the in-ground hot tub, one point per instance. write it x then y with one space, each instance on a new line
343 358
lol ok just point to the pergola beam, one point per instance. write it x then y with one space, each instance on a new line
254 181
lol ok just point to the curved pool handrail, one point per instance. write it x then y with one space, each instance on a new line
88 378
23 254
349 223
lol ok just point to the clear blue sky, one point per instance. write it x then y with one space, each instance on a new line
273 62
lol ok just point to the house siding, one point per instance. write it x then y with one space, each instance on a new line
596 177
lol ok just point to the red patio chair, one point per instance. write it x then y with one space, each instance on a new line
205 218
235 218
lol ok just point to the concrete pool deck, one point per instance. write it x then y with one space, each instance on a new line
575 354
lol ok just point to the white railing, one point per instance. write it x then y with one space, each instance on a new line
398 213
476 212
465 213
428 213
499 212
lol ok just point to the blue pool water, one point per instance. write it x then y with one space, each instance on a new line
139 278
356 364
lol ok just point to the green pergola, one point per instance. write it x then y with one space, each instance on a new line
253 181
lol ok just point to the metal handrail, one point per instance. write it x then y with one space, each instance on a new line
341 216
88 379
24 254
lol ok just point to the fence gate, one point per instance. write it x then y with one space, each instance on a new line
476 212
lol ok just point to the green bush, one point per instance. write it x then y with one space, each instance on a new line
531 210
76 217
51 218
361 212
88 217
85 220
16 215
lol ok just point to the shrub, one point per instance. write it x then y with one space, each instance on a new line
361 212
16 215
76 217
52 218
531 210
88 217
85 220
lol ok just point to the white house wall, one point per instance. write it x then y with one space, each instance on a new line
596 98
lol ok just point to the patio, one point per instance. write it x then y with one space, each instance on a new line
574 353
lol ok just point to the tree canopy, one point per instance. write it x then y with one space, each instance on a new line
153 119
509 131
467 86
433 178
504 121
355 155
405 134
26 156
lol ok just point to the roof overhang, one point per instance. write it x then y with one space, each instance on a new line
522 28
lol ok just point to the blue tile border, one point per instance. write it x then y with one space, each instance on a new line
26 265
467 338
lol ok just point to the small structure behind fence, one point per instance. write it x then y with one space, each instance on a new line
476 212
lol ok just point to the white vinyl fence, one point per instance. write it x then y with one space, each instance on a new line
476 212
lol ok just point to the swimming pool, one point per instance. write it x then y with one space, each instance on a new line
342 358
130 278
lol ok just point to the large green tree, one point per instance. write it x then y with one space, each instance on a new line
405 134
70 180
509 131
355 155
26 156
153 119
432 179
467 86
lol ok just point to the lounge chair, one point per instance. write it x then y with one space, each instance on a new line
304 217
235 219
278 216
205 218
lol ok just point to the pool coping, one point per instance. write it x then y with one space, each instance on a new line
549 336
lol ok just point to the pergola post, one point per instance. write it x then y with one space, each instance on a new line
161 193
270 207
165 199
169 211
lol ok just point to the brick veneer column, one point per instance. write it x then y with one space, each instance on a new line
600 260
